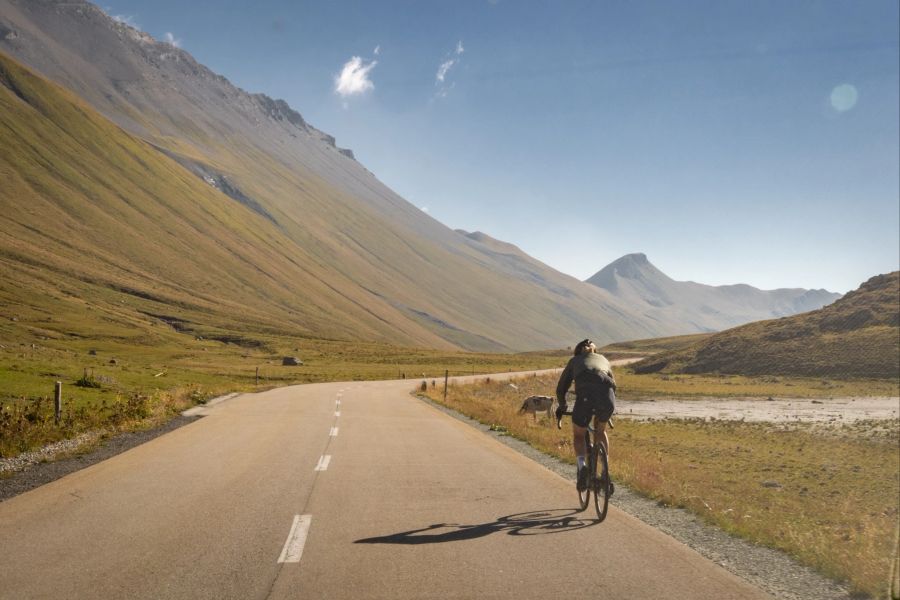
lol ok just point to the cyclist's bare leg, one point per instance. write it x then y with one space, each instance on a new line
578 440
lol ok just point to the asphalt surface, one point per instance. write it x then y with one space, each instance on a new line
407 502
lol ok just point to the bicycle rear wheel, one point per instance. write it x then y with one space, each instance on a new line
601 482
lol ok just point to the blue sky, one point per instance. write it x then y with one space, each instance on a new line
752 142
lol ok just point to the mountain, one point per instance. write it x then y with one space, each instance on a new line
97 212
331 252
857 336
154 182
635 281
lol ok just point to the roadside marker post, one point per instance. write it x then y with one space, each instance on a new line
446 377
57 401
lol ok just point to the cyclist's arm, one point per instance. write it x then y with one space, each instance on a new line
565 380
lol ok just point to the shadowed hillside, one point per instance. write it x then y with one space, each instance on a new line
857 336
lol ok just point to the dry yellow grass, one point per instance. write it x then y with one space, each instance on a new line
633 385
827 497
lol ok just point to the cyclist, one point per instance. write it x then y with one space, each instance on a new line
594 397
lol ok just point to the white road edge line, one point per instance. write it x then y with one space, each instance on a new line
333 432
323 462
293 546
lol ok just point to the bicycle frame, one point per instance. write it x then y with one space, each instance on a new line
598 470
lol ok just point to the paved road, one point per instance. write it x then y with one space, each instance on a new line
386 497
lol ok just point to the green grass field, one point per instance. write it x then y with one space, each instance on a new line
829 497
160 371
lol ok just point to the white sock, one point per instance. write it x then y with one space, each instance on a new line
580 461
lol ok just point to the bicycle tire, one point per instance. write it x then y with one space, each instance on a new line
584 496
601 487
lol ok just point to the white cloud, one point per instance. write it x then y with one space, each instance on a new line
170 39
442 70
354 77
377 50
424 209
440 78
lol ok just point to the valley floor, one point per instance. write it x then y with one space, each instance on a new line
834 411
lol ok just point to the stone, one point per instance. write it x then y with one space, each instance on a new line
291 361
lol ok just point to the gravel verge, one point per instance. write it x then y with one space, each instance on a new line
34 469
771 570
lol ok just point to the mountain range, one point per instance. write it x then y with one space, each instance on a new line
633 280
857 336
140 176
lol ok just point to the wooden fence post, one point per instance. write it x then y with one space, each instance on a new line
57 401
895 568
257 376
446 377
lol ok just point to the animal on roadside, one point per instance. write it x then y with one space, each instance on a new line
536 404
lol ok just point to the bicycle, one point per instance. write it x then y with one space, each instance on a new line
598 472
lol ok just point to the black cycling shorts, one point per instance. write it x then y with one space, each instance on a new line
603 406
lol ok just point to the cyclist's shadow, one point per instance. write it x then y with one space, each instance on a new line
531 523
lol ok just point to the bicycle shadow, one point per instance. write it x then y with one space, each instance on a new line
531 523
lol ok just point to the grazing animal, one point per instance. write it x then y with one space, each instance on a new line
536 404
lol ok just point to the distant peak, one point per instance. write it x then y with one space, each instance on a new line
636 258
630 266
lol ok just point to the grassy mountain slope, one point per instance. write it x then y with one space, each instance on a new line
315 233
393 268
857 336
99 211
652 345
399 269
84 202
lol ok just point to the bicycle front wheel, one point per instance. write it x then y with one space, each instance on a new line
601 482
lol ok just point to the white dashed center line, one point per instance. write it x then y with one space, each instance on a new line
323 462
337 413
293 546
333 432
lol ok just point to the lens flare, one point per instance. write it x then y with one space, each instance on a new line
844 97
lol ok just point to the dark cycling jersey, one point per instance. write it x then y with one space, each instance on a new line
594 388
